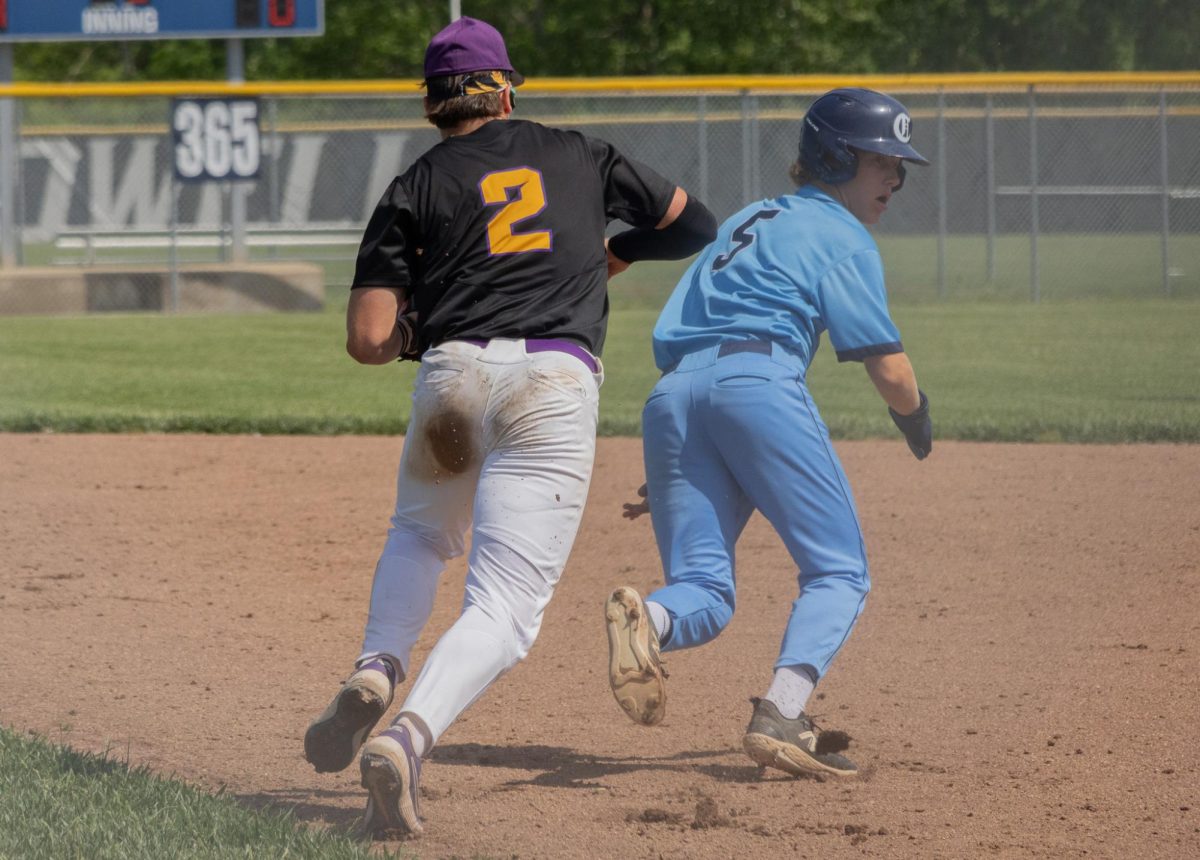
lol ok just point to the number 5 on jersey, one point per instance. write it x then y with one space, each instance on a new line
524 195
743 237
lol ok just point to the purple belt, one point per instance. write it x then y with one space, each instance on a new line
550 345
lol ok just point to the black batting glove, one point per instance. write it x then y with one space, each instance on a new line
916 427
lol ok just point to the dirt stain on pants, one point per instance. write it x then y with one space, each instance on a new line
449 440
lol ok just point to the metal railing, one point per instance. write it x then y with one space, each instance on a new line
91 246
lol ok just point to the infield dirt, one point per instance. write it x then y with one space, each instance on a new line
1025 681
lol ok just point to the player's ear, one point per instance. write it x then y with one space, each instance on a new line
508 100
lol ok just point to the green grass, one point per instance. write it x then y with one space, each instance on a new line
1078 371
1094 266
57 803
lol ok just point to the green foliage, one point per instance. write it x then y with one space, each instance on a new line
367 39
55 802
362 40
1061 35
633 37
1075 371
192 60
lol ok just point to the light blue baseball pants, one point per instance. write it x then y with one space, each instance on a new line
727 434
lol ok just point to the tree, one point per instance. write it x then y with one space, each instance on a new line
369 39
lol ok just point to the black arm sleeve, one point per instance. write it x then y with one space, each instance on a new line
691 230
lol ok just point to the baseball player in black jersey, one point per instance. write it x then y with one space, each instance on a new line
487 260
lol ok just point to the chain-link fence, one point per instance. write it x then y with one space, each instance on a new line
1037 191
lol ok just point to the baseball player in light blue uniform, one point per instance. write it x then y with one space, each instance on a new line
730 428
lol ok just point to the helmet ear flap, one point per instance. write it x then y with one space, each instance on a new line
902 173
841 160
825 154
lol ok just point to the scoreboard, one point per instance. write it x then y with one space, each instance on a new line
118 20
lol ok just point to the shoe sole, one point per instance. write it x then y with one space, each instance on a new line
637 683
391 813
331 743
769 752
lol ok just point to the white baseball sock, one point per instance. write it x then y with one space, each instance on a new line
660 618
418 732
790 689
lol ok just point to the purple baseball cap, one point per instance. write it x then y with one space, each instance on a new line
468 45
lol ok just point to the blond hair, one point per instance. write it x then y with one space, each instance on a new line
799 175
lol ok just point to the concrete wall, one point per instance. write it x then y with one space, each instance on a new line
218 287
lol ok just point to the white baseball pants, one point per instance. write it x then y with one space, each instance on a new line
505 438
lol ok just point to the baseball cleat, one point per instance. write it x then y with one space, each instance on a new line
391 773
772 740
635 670
334 738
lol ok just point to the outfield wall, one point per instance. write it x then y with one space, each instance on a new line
1022 163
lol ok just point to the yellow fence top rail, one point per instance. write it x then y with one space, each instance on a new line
978 82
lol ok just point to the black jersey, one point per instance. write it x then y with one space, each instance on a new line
500 232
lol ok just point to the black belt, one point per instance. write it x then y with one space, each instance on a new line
731 346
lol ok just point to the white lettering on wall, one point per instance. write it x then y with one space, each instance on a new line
386 165
136 191
62 165
301 178
132 199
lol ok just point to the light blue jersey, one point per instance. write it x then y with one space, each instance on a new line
783 270
731 428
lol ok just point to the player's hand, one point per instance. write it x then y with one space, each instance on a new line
633 510
406 327
615 264
916 427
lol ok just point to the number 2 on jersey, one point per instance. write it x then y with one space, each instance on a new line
743 237
528 200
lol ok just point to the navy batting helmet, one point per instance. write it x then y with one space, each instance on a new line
852 118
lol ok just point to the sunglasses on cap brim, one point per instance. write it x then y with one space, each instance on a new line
476 83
